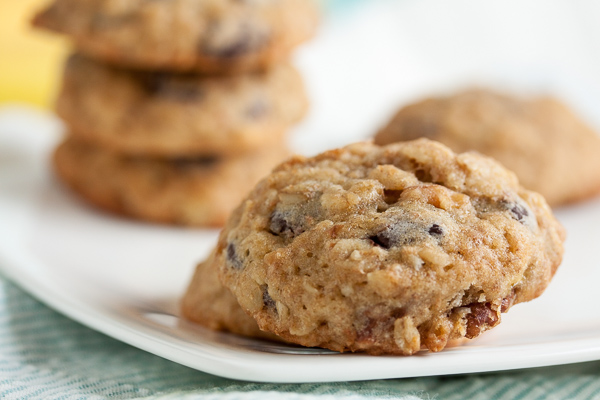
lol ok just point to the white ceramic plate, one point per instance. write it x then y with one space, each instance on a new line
124 278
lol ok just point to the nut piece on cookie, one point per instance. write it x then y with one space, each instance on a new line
387 249
209 36
549 148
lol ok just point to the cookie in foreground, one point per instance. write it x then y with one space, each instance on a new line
551 150
387 249
208 36
199 191
174 115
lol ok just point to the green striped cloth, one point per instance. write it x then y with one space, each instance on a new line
44 355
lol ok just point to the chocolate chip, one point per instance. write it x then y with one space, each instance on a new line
435 229
519 212
161 84
182 92
194 162
280 226
232 257
267 299
152 82
398 313
404 230
382 240
242 46
224 42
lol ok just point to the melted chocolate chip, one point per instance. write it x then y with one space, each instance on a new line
162 85
382 240
152 83
267 299
435 229
405 230
519 212
232 257
242 46
194 162
280 225
183 92
219 42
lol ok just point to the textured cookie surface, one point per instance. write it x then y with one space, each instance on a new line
186 191
179 115
210 304
387 249
212 36
549 148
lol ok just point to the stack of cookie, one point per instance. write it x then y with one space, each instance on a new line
176 109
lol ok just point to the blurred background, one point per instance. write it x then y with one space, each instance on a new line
372 56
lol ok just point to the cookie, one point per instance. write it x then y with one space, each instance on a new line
210 36
549 148
185 191
210 304
387 249
162 114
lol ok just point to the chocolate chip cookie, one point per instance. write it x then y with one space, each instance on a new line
177 115
199 191
387 249
210 36
549 148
